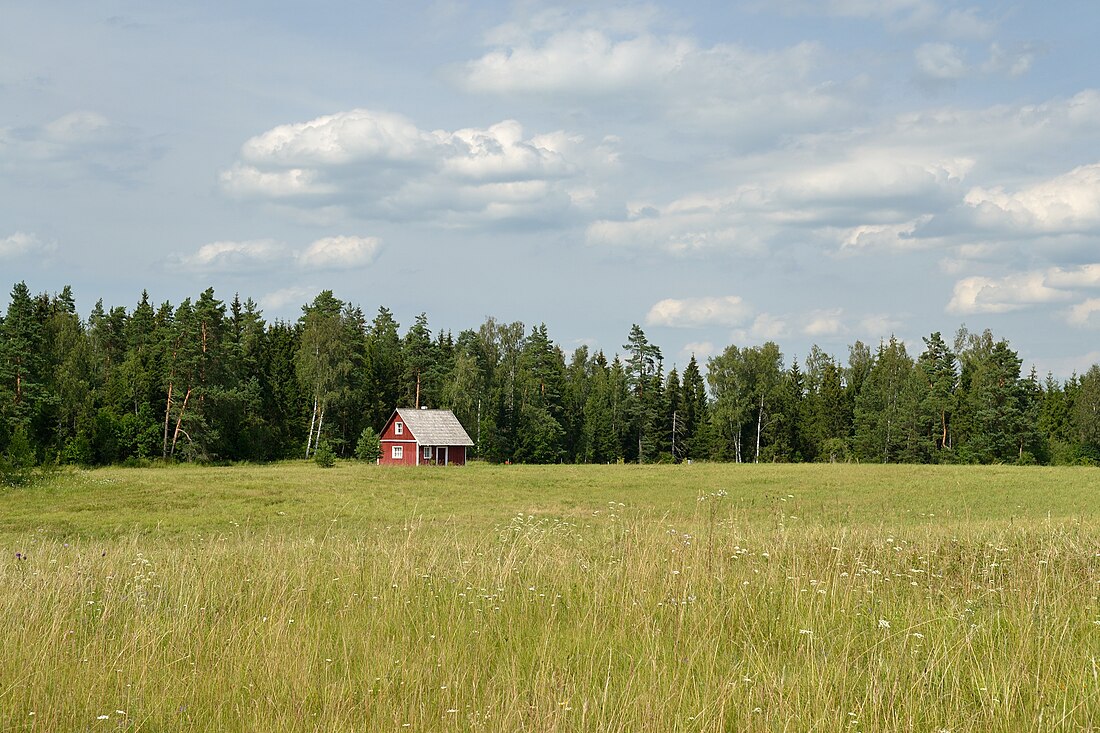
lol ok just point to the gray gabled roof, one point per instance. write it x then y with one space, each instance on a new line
434 427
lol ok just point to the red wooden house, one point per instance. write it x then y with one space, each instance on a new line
415 437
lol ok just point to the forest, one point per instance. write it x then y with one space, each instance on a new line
211 381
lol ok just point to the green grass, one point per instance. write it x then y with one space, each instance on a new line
605 598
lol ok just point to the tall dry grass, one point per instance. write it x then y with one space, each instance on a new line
595 620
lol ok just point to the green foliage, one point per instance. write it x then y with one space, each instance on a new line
17 463
209 381
369 447
324 455
887 424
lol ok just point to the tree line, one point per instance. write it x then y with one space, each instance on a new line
212 381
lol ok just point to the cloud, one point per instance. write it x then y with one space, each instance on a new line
379 165
1011 293
768 327
1013 62
693 224
872 198
340 253
21 244
727 310
80 144
765 327
939 63
879 325
824 323
1082 276
979 294
968 181
1083 314
277 300
881 237
355 136
226 256
701 350
726 90
1065 204
901 16
579 61
245 181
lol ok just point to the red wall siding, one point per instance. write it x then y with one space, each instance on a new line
390 438
408 450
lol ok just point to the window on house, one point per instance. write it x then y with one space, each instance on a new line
399 428
398 451
427 451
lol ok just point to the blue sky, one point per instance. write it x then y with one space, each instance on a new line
735 172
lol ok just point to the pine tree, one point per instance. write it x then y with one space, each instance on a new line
937 367
1086 414
384 368
643 367
694 429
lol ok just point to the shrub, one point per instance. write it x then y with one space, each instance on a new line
369 447
324 456
18 461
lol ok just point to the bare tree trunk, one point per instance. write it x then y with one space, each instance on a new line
179 422
759 429
312 421
320 422
167 412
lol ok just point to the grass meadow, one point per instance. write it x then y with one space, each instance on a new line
519 598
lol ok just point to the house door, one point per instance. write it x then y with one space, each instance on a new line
441 455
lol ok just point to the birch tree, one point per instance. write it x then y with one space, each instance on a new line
323 361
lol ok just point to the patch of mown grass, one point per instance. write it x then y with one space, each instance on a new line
298 496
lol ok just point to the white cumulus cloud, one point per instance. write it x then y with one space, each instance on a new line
768 327
584 61
339 253
980 294
20 244
232 256
728 310
277 300
824 323
733 91
1083 313
379 165
1069 203
701 350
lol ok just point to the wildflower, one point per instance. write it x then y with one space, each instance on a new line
807 632
883 623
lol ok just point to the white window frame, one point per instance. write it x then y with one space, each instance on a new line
397 452
427 453
399 428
